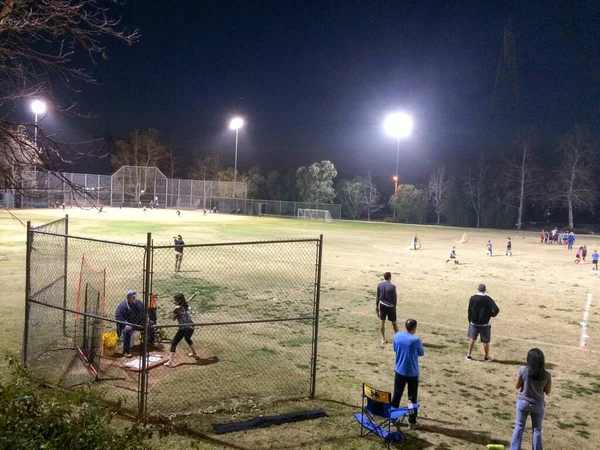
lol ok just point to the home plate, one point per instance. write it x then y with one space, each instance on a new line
135 364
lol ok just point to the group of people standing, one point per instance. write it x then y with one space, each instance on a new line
532 380
558 237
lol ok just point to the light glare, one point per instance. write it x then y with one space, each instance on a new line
398 125
38 107
236 123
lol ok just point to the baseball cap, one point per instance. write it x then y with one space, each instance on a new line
130 293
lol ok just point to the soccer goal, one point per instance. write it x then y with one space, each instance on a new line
314 214
88 323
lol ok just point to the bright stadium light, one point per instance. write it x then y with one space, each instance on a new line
37 107
236 123
398 125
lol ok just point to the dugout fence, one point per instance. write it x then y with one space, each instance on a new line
255 308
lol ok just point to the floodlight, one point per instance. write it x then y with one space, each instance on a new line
38 107
398 125
236 123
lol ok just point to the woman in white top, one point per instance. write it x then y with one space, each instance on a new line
534 383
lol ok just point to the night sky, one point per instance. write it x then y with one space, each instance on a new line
315 79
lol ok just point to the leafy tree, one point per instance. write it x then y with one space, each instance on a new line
273 189
225 174
49 418
436 190
256 182
349 194
455 207
315 182
44 48
410 204
289 186
573 185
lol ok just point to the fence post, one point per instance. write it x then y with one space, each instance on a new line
65 275
317 301
27 292
143 391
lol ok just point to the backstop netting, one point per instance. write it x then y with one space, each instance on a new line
322 215
88 318
254 307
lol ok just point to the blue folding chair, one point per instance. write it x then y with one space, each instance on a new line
378 404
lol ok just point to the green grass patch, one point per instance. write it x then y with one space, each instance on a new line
296 342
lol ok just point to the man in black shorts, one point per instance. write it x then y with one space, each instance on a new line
481 310
385 304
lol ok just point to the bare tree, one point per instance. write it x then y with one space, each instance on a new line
42 44
142 149
173 162
436 190
205 167
519 181
573 184
474 187
371 202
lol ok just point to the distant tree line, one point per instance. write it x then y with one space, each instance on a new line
495 192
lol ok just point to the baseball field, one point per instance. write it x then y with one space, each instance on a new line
541 293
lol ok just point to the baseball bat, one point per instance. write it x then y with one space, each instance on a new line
193 295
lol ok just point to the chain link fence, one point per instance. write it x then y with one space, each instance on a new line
254 308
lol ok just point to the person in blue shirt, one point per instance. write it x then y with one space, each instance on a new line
131 311
489 248
570 240
452 256
408 348
595 260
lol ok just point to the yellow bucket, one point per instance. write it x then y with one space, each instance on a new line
109 343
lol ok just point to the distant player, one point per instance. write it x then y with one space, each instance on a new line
489 248
452 256
415 241
595 260
204 211
583 254
178 244
179 213
509 247
101 209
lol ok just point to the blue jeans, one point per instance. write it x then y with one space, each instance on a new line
524 408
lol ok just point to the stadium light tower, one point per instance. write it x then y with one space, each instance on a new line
235 124
37 107
398 125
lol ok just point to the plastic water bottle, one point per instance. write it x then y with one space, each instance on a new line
411 408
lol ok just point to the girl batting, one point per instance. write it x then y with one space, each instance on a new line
182 314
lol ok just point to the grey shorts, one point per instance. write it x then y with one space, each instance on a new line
485 331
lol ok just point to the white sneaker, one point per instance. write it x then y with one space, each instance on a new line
384 341
169 364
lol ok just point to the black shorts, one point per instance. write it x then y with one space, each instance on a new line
388 312
485 331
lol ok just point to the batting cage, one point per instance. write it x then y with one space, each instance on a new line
237 322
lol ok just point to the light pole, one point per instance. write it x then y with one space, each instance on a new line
398 125
235 124
38 107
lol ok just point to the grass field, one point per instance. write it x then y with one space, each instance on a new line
465 405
